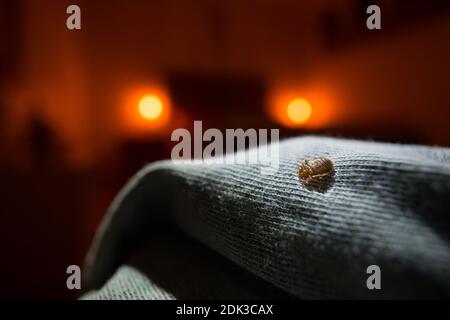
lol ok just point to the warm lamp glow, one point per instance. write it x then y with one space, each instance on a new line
150 107
147 111
306 108
299 111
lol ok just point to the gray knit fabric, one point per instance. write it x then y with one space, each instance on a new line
129 283
169 264
387 205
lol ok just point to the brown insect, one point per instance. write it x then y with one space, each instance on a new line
315 170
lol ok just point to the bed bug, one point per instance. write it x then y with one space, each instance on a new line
315 170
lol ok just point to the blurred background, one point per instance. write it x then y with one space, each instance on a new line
81 110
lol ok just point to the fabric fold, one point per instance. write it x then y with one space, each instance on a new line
387 205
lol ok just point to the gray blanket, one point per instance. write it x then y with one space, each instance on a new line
227 231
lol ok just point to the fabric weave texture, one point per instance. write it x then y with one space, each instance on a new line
387 205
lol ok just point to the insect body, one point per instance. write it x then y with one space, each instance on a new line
315 170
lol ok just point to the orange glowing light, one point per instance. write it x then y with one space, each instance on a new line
146 110
150 107
299 111
306 107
